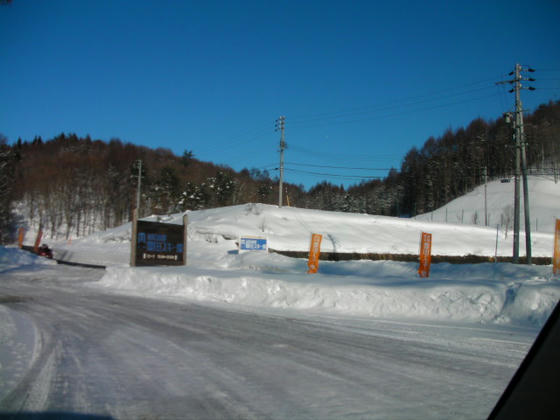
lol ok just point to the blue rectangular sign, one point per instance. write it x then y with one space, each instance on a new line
252 244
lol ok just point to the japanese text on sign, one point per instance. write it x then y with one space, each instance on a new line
252 243
159 244
314 253
425 254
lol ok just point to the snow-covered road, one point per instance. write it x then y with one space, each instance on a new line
89 351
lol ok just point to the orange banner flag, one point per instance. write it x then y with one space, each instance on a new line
425 254
21 236
314 253
38 241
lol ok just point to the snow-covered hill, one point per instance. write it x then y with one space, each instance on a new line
544 200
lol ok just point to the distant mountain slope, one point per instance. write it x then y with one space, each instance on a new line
544 200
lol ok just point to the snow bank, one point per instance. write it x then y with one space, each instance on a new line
487 293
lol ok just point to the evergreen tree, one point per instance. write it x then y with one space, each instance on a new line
7 167
187 158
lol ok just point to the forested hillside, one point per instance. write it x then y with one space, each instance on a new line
453 164
81 185
73 186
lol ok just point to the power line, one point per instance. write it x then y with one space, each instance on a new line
411 100
339 167
343 156
399 113
304 120
353 177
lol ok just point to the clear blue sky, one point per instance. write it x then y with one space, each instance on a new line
360 82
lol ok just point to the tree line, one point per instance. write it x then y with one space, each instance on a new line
450 166
74 186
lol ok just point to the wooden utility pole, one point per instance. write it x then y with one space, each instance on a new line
134 237
139 186
185 224
280 124
521 149
520 163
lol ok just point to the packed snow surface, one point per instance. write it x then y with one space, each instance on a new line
83 351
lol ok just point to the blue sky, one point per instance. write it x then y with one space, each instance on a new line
360 82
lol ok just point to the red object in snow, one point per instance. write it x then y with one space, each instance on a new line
45 251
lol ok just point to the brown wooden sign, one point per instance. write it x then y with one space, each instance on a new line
159 244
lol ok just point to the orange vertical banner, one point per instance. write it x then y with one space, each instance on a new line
314 253
425 254
38 241
556 256
21 235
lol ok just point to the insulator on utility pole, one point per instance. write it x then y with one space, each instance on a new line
280 124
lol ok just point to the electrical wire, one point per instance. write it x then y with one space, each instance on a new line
405 106
379 108
331 175
338 167
383 157
400 112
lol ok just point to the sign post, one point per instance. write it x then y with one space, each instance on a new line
425 255
556 256
185 223
134 238
314 253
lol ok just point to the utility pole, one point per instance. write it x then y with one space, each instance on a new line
483 140
280 124
516 202
486 196
522 143
139 185
520 163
